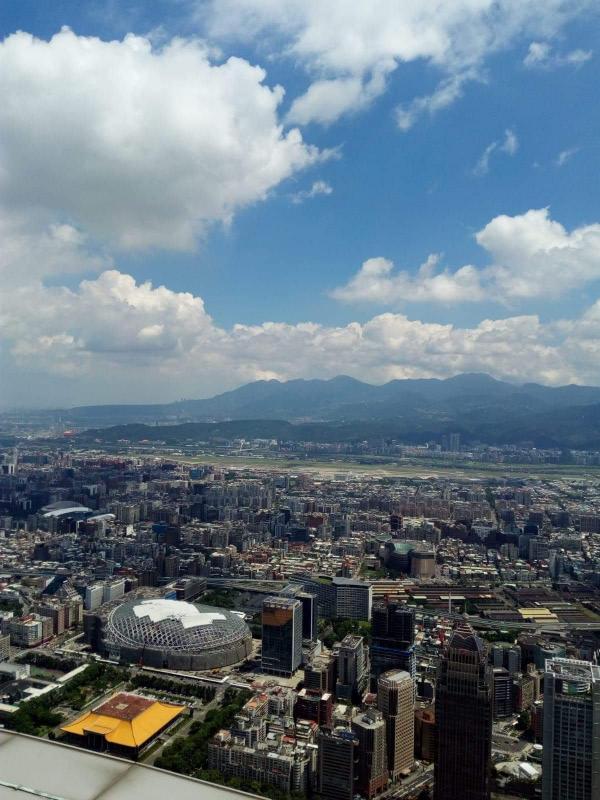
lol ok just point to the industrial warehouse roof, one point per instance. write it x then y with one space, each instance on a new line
38 768
126 719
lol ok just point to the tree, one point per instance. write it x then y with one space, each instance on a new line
524 720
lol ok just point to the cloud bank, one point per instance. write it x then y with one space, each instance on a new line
154 339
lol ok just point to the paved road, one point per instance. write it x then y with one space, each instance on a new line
412 785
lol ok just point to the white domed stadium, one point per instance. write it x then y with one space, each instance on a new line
173 634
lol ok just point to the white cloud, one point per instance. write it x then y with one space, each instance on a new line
327 99
137 145
509 146
351 49
530 254
318 188
33 248
578 57
535 256
565 155
376 282
482 167
541 56
447 92
155 339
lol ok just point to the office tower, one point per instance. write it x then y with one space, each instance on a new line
309 602
503 693
393 636
338 763
425 734
395 699
4 648
315 706
352 672
571 725
320 673
309 615
463 716
343 598
507 656
369 729
281 635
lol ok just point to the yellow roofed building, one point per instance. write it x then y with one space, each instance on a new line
123 725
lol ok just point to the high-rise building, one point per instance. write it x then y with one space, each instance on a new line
395 699
310 627
425 733
338 764
393 637
369 728
319 673
4 647
352 671
454 442
463 715
281 635
315 706
571 727
506 656
344 598
94 596
503 693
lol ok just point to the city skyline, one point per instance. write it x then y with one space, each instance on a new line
196 195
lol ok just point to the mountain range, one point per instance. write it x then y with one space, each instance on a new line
476 405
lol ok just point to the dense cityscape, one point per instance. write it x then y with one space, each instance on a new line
290 633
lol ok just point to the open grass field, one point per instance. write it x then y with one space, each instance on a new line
387 468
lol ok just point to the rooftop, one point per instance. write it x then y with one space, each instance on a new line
126 719
38 768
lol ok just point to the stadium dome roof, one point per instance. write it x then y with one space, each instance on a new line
176 626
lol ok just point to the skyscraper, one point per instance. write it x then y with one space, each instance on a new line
337 774
309 615
395 699
392 645
503 693
281 635
463 714
309 609
571 760
353 671
369 728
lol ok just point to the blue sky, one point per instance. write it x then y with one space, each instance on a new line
273 253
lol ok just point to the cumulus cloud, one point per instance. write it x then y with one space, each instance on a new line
351 49
531 256
138 145
540 55
318 188
535 256
376 282
509 146
111 315
34 248
152 338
